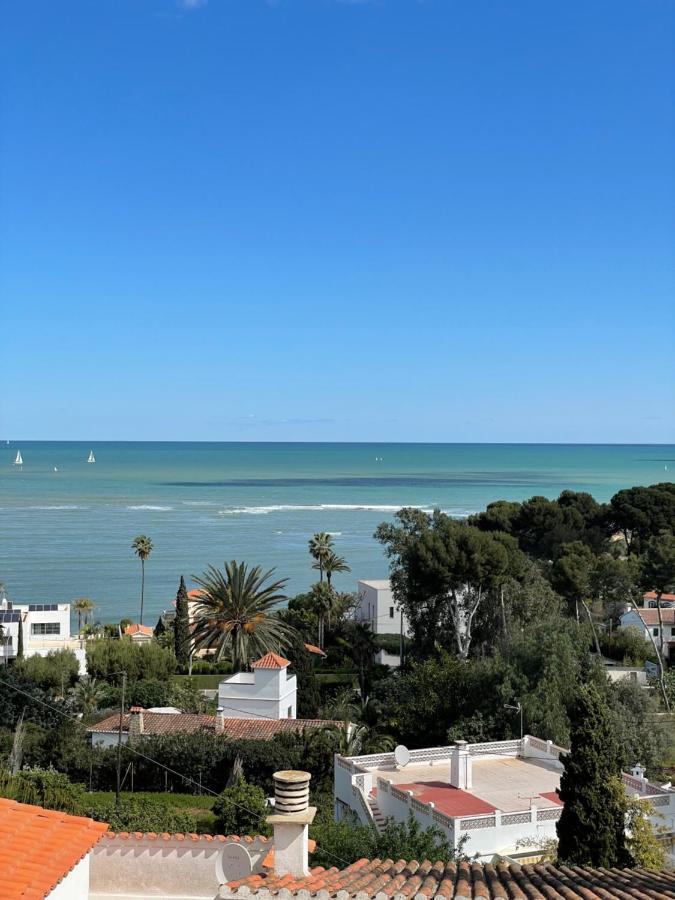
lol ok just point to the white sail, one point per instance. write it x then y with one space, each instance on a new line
19 459
92 458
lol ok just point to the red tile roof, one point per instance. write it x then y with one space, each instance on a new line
652 595
651 616
40 847
448 799
188 723
138 629
467 880
271 661
165 836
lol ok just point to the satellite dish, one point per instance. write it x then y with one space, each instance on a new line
402 756
234 863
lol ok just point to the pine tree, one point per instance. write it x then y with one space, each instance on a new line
591 829
181 625
19 642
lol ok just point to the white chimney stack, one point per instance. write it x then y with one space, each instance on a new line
291 820
220 719
461 775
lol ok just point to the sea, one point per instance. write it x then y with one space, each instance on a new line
66 526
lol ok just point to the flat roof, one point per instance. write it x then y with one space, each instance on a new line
507 783
379 584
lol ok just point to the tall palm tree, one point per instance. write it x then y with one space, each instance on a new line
322 598
333 563
235 614
83 606
142 547
320 545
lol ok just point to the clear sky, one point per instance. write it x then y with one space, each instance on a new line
338 220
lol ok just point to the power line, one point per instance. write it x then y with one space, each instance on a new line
156 762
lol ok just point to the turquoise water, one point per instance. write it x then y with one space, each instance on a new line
67 533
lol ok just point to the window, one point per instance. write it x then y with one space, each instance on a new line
672 631
391 612
45 628
655 632
290 712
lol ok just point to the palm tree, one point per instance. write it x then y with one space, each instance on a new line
319 547
87 695
142 547
322 598
358 740
362 648
333 563
235 614
83 606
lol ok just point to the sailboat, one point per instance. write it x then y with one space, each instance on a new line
91 458
19 459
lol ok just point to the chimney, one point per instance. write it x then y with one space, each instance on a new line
639 771
220 720
291 819
135 721
461 767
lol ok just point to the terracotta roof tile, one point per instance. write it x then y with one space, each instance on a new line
61 839
470 880
651 595
271 661
188 723
651 616
138 629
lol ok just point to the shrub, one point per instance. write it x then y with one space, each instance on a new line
241 809
43 787
139 814
57 671
106 656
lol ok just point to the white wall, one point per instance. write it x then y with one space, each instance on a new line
376 605
75 886
173 867
263 694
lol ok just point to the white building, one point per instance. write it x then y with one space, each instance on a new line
500 796
377 607
265 693
45 626
647 622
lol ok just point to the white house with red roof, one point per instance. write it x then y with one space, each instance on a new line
268 692
499 797
648 623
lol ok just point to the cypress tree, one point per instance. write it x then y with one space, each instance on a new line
181 626
19 641
591 829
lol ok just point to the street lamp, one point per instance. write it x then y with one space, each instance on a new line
518 709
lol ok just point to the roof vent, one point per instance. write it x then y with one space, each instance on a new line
291 791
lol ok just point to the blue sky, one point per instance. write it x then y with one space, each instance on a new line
335 220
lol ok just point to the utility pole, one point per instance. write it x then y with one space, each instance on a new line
119 746
400 649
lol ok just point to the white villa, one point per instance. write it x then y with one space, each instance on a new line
646 620
377 607
45 626
268 692
500 795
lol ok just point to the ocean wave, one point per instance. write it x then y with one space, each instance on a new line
318 507
197 502
56 506
149 506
